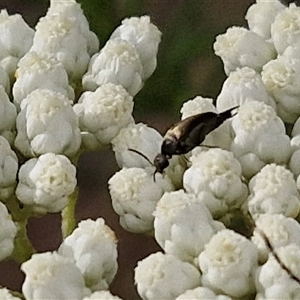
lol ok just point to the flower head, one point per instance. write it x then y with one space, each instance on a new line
52 276
163 276
40 71
47 123
118 62
226 253
239 47
145 36
46 182
183 225
103 113
273 191
135 195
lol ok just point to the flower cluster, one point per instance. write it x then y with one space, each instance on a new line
59 96
246 176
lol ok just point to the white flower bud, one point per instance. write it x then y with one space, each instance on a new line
59 36
201 293
257 129
71 9
145 36
261 15
93 247
135 195
183 225
281 77
40 71
139 137
15 35
103 113
52 276
8 170
217 172
163 276
196 106
242 85
6 295
47 123
46 182
10 64
4 80
228 264
102 295
273 282
273 191
8 231
118 62
280 230
8 115
240 47
285 30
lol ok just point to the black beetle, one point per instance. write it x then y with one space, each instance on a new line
185 135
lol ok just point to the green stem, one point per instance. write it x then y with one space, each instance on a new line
23 248
68 222
20 214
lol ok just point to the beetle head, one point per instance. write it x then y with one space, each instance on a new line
160 162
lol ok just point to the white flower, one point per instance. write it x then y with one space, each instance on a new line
40 71
196 106
240 47
9 64
216 172
8 231
103 113
273 282
46 182
135 195
47 123
281 77
102 295
145 36
242 85
59 36
280 230
8 170
52 276
147 141
15 35
93 247
228 263
118 62
139 137
163 276
4 80
261 15
285 28
183 225
257 129
6 295
273 191
71 9
8 115
201 293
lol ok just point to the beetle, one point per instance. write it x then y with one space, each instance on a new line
185 135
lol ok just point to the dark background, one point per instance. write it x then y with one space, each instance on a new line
186 68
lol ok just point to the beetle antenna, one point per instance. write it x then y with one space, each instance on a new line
143 155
